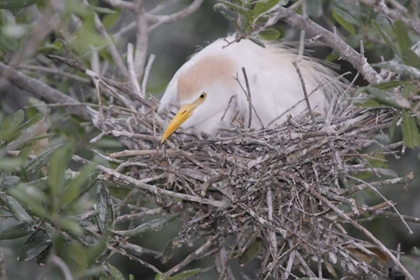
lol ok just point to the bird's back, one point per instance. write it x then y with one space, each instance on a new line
273 80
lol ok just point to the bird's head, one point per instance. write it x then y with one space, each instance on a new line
203 91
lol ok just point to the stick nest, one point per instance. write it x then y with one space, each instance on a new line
283 197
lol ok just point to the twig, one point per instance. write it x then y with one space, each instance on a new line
191 257
302 82
142 38
248 96
147 72
118 177
159 20
383 198
131 70
365 231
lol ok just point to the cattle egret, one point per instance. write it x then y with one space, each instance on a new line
211 90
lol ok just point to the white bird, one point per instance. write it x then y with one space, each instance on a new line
205 85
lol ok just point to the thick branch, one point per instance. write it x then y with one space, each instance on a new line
142 39
44 91
330 39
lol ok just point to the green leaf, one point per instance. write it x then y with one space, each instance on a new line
16 231
409 57
410 90
258 42
262 7
103 10
17 119
153 225
57 168
106 216
31 122
10 44
385 37
390 84
42 160
10 164
16 209
35 245
389 98
393 126
401 33
410 131
73 190
185 274
69 225
230 6
111 19
15 4
342 17
370 103
314 8
93 252
116 274
251 252
31 198
9 181
270 34
396 67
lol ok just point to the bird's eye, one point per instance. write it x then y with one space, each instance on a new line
203 96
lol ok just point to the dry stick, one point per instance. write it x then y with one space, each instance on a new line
289 266
362 229
248 95
302 82
228 106
164 19
248 98
272 234
191 257
54 71
151 188
147 73
384 199
142 38
131 71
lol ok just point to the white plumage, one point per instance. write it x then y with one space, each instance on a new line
205 84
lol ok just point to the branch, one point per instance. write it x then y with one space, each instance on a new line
331 39
159 20
43 91
142 39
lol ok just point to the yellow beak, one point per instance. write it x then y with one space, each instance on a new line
183 114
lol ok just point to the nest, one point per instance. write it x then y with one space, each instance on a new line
281 198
